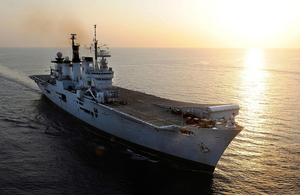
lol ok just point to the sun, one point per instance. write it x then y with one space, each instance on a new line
256 18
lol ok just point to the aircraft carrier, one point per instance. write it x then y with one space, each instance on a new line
195 135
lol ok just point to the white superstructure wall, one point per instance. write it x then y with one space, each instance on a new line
76 70
66 69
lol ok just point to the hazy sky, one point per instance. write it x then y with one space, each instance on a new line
152 23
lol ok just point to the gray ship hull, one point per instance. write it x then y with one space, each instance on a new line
200 148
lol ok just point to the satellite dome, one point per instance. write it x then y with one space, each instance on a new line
67 58
59 54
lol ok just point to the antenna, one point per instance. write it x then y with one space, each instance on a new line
95 32
95 47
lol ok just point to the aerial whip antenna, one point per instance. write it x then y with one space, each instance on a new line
95 42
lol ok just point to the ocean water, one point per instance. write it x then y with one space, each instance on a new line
43 150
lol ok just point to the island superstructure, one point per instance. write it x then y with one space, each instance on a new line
195 135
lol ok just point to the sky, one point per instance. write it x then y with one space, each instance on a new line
155 23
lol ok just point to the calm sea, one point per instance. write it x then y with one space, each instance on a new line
45 151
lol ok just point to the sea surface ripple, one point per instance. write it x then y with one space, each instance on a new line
46 151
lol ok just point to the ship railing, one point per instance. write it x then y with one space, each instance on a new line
103 53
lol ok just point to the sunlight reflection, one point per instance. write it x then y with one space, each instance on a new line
254 103
254 83
254 59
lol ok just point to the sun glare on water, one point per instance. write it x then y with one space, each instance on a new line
254 82
254 59
254 69
253 72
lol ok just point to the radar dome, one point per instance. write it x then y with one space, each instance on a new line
59 54
67 58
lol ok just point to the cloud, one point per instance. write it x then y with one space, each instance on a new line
44 28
